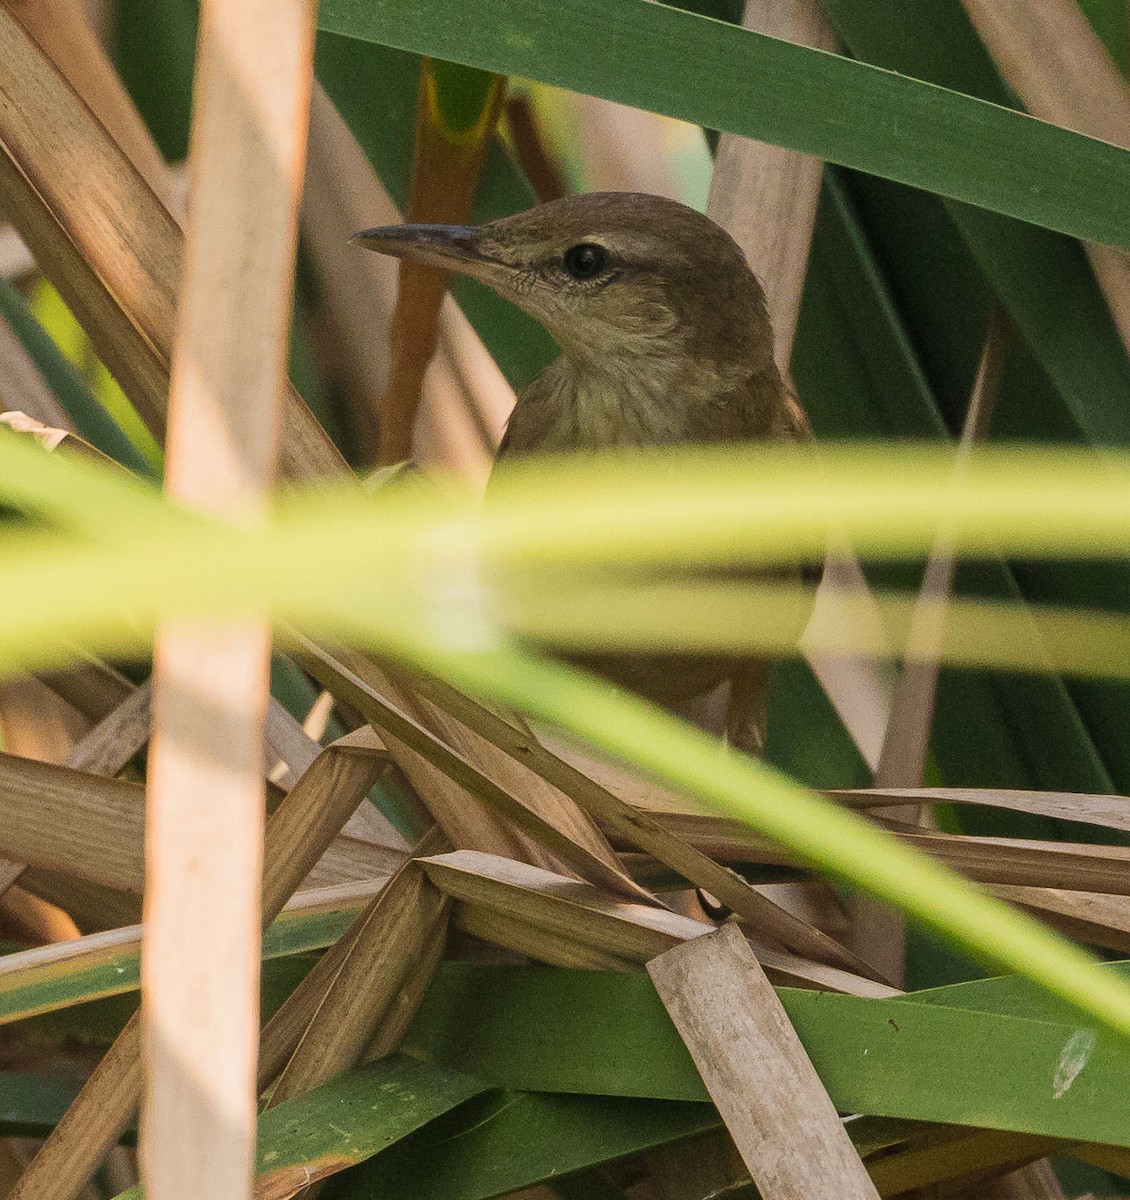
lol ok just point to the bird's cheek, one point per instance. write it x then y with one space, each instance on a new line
647 320
556 312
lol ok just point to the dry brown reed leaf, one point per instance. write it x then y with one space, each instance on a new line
572 924
88 827
371 827
63 31
1094 919
284 1030
1051 56
91 1126
119 736
103 750
406 922
767 919
96 229
205 791
316 809
497 927
1037 1181
484 738
50 729
363 983
756 1071
765 196
1071 865
633 789
35 724
351 860
290 753
297 835
9 872
568 908
792 970
1109 811
733 841
104 239
72 821
399 1011
349 897
1112 812
460 790
99 691
13 1159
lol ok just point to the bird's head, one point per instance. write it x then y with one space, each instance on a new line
617 278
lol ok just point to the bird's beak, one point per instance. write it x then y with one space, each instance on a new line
450 246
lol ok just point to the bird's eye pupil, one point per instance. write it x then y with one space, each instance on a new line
585 261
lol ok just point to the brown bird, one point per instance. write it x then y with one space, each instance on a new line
665 341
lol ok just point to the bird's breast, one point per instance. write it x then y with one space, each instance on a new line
647 404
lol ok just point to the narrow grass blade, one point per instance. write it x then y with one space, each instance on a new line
651 58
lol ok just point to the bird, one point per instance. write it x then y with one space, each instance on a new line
665 340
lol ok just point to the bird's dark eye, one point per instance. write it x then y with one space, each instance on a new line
585 261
